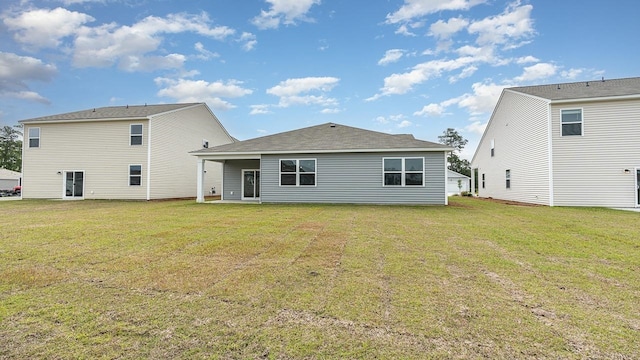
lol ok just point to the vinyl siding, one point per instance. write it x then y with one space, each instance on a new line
173 136
233 177
589 169
354 178
100 149
520 128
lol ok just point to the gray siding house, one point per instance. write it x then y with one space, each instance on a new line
570 144
330 163
120 152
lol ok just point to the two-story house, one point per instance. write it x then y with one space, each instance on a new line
121 152
568 144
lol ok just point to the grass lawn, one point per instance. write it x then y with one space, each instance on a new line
176 279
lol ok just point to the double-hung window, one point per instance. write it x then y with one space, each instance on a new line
298 172
571 120
135 134
34 137
135 175
403 171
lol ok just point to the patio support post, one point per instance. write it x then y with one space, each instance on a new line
200 186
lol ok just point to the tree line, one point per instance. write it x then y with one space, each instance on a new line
11 148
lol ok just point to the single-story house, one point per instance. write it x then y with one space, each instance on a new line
120 152
330 163
457 183
9 179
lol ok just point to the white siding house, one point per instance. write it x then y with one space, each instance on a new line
571 144
457 183
9 179
125 152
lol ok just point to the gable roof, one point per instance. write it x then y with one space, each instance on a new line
9 174
584 89
111 113
451 173
327 137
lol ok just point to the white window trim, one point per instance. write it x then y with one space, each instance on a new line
297 173
573 122
130 176
132 134
39 137
403 172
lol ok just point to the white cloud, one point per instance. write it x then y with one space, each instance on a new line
44 28
16 71
204 53
506 29
404 30
465 73
109 44
260 109
526 60
476 127
444 30
330 111
571 73
483 100
284 11
404 124
396 84
391 56
536 72
249 41
432 110
419 8
183 90
291 87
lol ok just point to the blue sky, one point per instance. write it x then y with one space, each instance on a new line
266 66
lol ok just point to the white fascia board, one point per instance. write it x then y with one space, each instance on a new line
595 99
249 155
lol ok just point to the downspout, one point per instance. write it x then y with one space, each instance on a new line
148 159
446 197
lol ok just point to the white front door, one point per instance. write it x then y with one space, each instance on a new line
250 184
73 184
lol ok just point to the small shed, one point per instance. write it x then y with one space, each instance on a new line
9 179
457 183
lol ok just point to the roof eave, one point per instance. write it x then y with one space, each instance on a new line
257 154
35 121
595 99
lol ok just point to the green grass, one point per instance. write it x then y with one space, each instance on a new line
176 279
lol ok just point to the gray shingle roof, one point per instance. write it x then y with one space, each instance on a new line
327 137
111 112
584 89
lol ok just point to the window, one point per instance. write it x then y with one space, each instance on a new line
403 171
508 178
483 181
493 147
571 122
135 175
299 172
135 132
34 137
